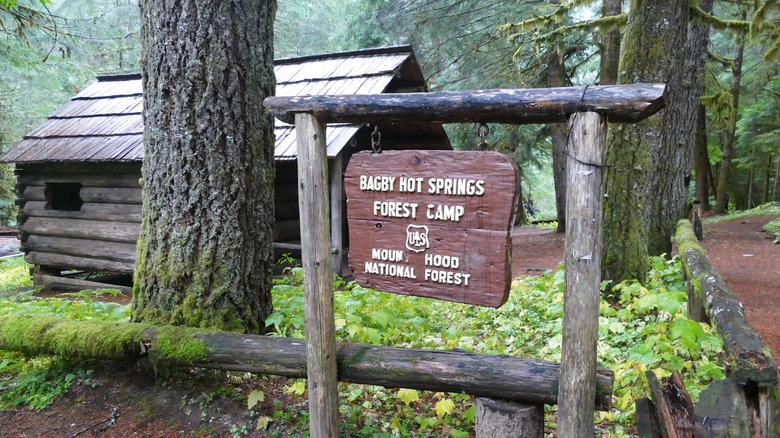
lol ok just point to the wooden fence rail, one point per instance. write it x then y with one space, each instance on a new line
748 402
504 377
748 355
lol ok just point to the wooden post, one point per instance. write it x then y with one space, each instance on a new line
506 419
318 277
584 200
336 213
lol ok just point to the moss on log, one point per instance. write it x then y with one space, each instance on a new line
503 377
74 339
747 353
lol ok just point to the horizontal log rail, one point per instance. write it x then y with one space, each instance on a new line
747 353
620 103
504 377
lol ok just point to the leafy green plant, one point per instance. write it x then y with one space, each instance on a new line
762 210
643 329
35 383
14 274
774 228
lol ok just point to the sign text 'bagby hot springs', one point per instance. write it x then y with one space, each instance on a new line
432 223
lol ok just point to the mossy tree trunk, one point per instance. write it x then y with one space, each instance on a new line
724 177
650 52
673 159
777 180
701 160
204 255
521 218
556 77
610 45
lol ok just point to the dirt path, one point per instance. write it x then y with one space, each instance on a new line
749 262
535 250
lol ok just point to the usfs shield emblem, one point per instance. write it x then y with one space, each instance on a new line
417 238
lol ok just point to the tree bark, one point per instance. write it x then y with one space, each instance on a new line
521 218
673 159
701 159
724 177
765 181
633 215
610 46
556 77
777 180
751 183
205 254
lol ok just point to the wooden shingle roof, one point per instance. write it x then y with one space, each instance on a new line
103 123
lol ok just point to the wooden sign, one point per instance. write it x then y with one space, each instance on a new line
435 224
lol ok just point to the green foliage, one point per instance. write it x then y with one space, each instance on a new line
14 274
762 210
645 329
35 383
774 228
314 26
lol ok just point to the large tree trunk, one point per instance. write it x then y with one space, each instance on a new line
749 202
724 178
765 182
701 160
777 180
672 161
204 255
556 77
610 46
655 32
521 218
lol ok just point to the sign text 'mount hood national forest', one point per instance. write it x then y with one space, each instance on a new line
432 223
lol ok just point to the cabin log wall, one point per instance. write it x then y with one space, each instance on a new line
100 236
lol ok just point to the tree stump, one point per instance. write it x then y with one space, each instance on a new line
500 418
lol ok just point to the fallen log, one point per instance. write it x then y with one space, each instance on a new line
502 377
747 353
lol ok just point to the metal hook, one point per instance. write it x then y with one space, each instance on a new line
376 140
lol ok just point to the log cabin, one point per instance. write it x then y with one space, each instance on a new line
78 175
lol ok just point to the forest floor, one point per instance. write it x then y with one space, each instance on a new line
128 400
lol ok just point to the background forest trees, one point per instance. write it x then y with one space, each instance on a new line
52 50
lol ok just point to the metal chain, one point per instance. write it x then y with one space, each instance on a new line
376 140
482 132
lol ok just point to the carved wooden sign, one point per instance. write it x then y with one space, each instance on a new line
435 224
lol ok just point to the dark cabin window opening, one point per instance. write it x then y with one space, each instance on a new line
63 196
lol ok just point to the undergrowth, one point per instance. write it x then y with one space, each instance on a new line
768 209
35 382
774 228
645 329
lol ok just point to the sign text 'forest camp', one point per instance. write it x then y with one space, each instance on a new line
432 223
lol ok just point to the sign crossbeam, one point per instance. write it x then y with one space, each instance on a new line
619 103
